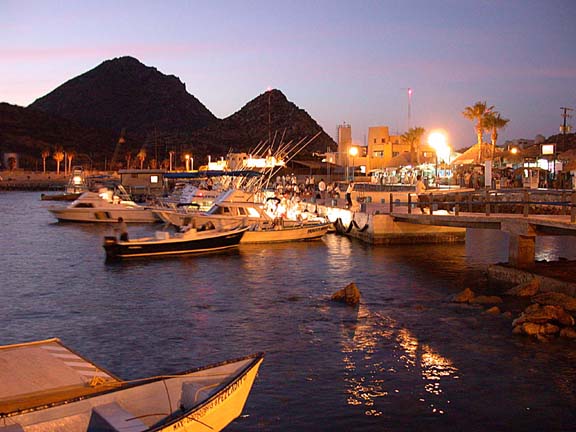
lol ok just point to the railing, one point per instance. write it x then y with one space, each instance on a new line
494 202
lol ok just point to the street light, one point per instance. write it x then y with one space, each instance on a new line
187 158
437 140
353 151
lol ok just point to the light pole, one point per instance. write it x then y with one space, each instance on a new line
353 151
187 158
437 140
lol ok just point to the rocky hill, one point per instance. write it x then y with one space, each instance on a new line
151 111
125 94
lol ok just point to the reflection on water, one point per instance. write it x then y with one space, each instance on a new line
404 360
368 378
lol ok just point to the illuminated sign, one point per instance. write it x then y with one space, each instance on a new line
547 149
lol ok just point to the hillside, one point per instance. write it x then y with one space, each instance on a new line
153 112
125 94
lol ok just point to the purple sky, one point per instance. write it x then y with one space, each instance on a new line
341 61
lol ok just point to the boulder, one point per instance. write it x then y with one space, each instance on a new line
349 295
568 332
556 299
494 310
526 289
463 297
486 300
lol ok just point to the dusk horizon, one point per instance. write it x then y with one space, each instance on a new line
342 63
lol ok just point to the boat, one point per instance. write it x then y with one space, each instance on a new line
104 206
237 207
192 241
47 386
76 185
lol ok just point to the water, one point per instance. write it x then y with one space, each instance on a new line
405 360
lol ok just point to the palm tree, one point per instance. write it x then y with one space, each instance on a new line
478 112
70 155
58 156
128 158
141 156
493 122
413 137
45 154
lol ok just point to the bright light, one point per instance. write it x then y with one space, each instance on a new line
437 140
77 180
353 151
514 150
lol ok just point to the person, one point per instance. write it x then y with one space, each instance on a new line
122 229
420 190
349 190
322 189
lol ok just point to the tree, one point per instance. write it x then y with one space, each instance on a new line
478 112
413 137
141 156
70 155
58 156
128 158
45 155
493 122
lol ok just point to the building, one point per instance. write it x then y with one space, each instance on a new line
140 183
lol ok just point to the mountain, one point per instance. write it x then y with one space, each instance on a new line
270 116
29 132
151 111
125 94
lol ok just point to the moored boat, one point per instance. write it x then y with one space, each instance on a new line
235 207
104 207
192 241
46 386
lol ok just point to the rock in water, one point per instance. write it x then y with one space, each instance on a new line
349 295
465 296
526 289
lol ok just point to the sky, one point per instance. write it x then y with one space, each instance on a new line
341 61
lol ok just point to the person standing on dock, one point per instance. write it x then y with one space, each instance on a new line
420 190
349 190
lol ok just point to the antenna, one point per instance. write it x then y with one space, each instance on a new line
409 92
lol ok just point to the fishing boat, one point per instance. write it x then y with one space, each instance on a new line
47 386
75 187
237 207
104 206
192 241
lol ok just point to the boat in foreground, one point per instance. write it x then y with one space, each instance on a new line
192 241
46 386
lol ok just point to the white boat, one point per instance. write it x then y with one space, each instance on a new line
104 206
236 207
48 387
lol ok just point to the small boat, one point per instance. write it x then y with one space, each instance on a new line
104 206
192 241
46 386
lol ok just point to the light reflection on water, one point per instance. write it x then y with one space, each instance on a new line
404 360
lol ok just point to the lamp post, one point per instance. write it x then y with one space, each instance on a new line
437 140
187 159
353 151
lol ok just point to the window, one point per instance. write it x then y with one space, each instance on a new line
382 140
154 179
394 154
378 154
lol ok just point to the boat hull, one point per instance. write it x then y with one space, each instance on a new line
195 243
109 215
206 398
301 233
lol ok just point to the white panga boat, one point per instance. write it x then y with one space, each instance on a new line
48 387
192 241
236 207
104 206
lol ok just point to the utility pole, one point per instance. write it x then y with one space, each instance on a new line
564 128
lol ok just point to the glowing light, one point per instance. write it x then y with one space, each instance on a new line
353 151
437 140
514 150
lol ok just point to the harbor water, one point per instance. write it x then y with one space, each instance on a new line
404 360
